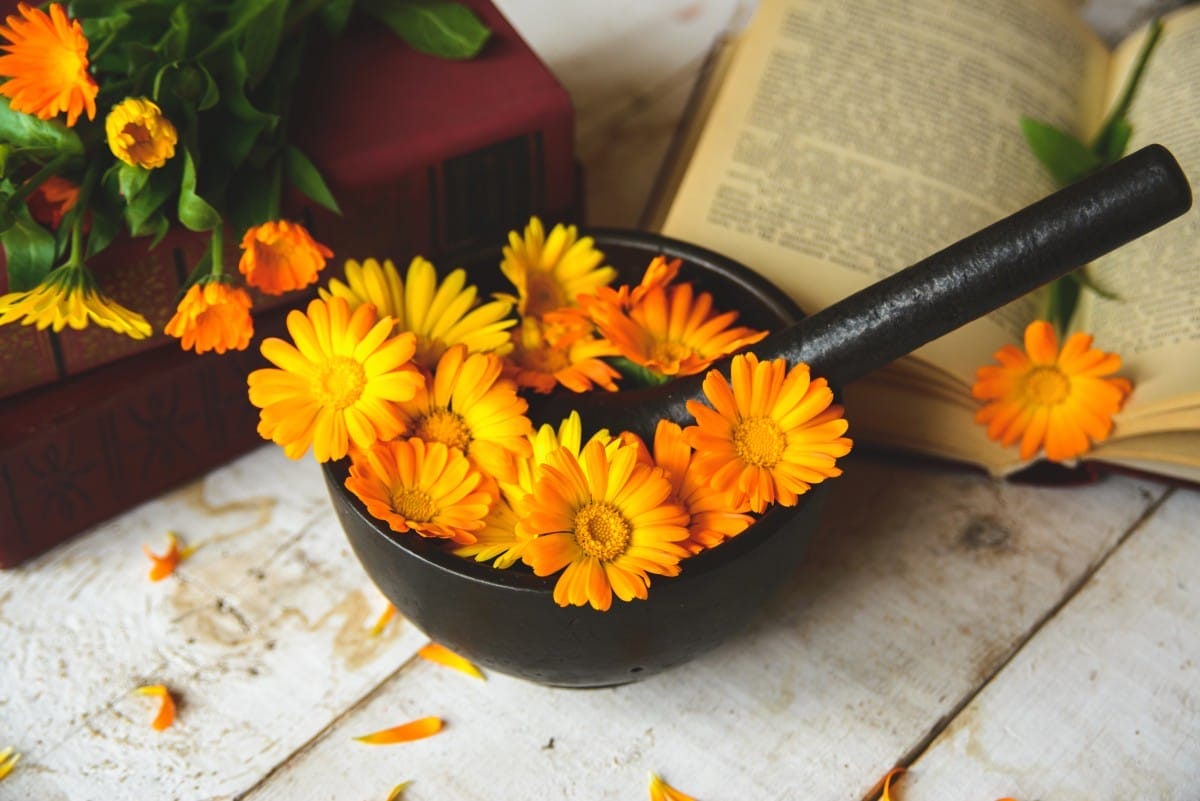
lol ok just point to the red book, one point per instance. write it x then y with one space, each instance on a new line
424 155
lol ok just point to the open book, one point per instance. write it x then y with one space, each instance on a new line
837 141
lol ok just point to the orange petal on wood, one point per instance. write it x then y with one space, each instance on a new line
8 760
405 732
444 656
385 617
166 707
661 791
163 566
886 783
398 791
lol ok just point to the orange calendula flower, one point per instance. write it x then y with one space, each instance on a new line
426 487
1059 401
341 382
279 256
385 617
166 706
52 199
770 435
212 315
68 297
46 64
440 314
470 406
606 521
444 656
549 272
671 330
8 760
404 733
138 133
713 516
661 791
544 357
164 565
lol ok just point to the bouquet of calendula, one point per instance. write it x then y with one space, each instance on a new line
137 116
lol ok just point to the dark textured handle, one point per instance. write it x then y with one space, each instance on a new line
988 269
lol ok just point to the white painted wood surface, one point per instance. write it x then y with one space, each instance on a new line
939 620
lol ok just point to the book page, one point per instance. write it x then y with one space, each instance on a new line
1154 322
852 138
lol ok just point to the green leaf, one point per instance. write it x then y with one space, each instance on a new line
195 213
131 180
147 203
237 102
447 30
335 15
173 45
1065 157
27 131
307 178
637 374
103 229
261 36
29 249
1111 143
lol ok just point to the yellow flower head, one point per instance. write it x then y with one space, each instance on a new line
713 515
138 133
341 382
470 406
279 256
440 314
46 64
424 487
606 521
670 330
1061 401
550 272
212 315
770 435
545 356
68 297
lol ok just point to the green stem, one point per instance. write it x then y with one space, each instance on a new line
1130 88
79 215
218 251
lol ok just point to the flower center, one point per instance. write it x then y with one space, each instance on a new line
542 293
413 504
1046 386
544 359
446 427
759 441
340 383
602 531
671 353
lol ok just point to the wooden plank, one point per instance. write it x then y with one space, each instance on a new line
921 584
1105 701
263 634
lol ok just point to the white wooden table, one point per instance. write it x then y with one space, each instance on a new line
996 639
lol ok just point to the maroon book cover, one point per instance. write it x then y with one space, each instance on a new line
424 155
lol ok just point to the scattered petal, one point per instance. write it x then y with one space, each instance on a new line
398 791
166 709
405 732
385 617
8 760
661 791
165 565
886 784
444 656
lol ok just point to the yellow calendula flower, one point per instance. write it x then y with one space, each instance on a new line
279 256
426 487
341 382
67 296
671 330
441 314
549 272
1059 401
470 406
46 64
769 435
138 133
606 521
212 315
